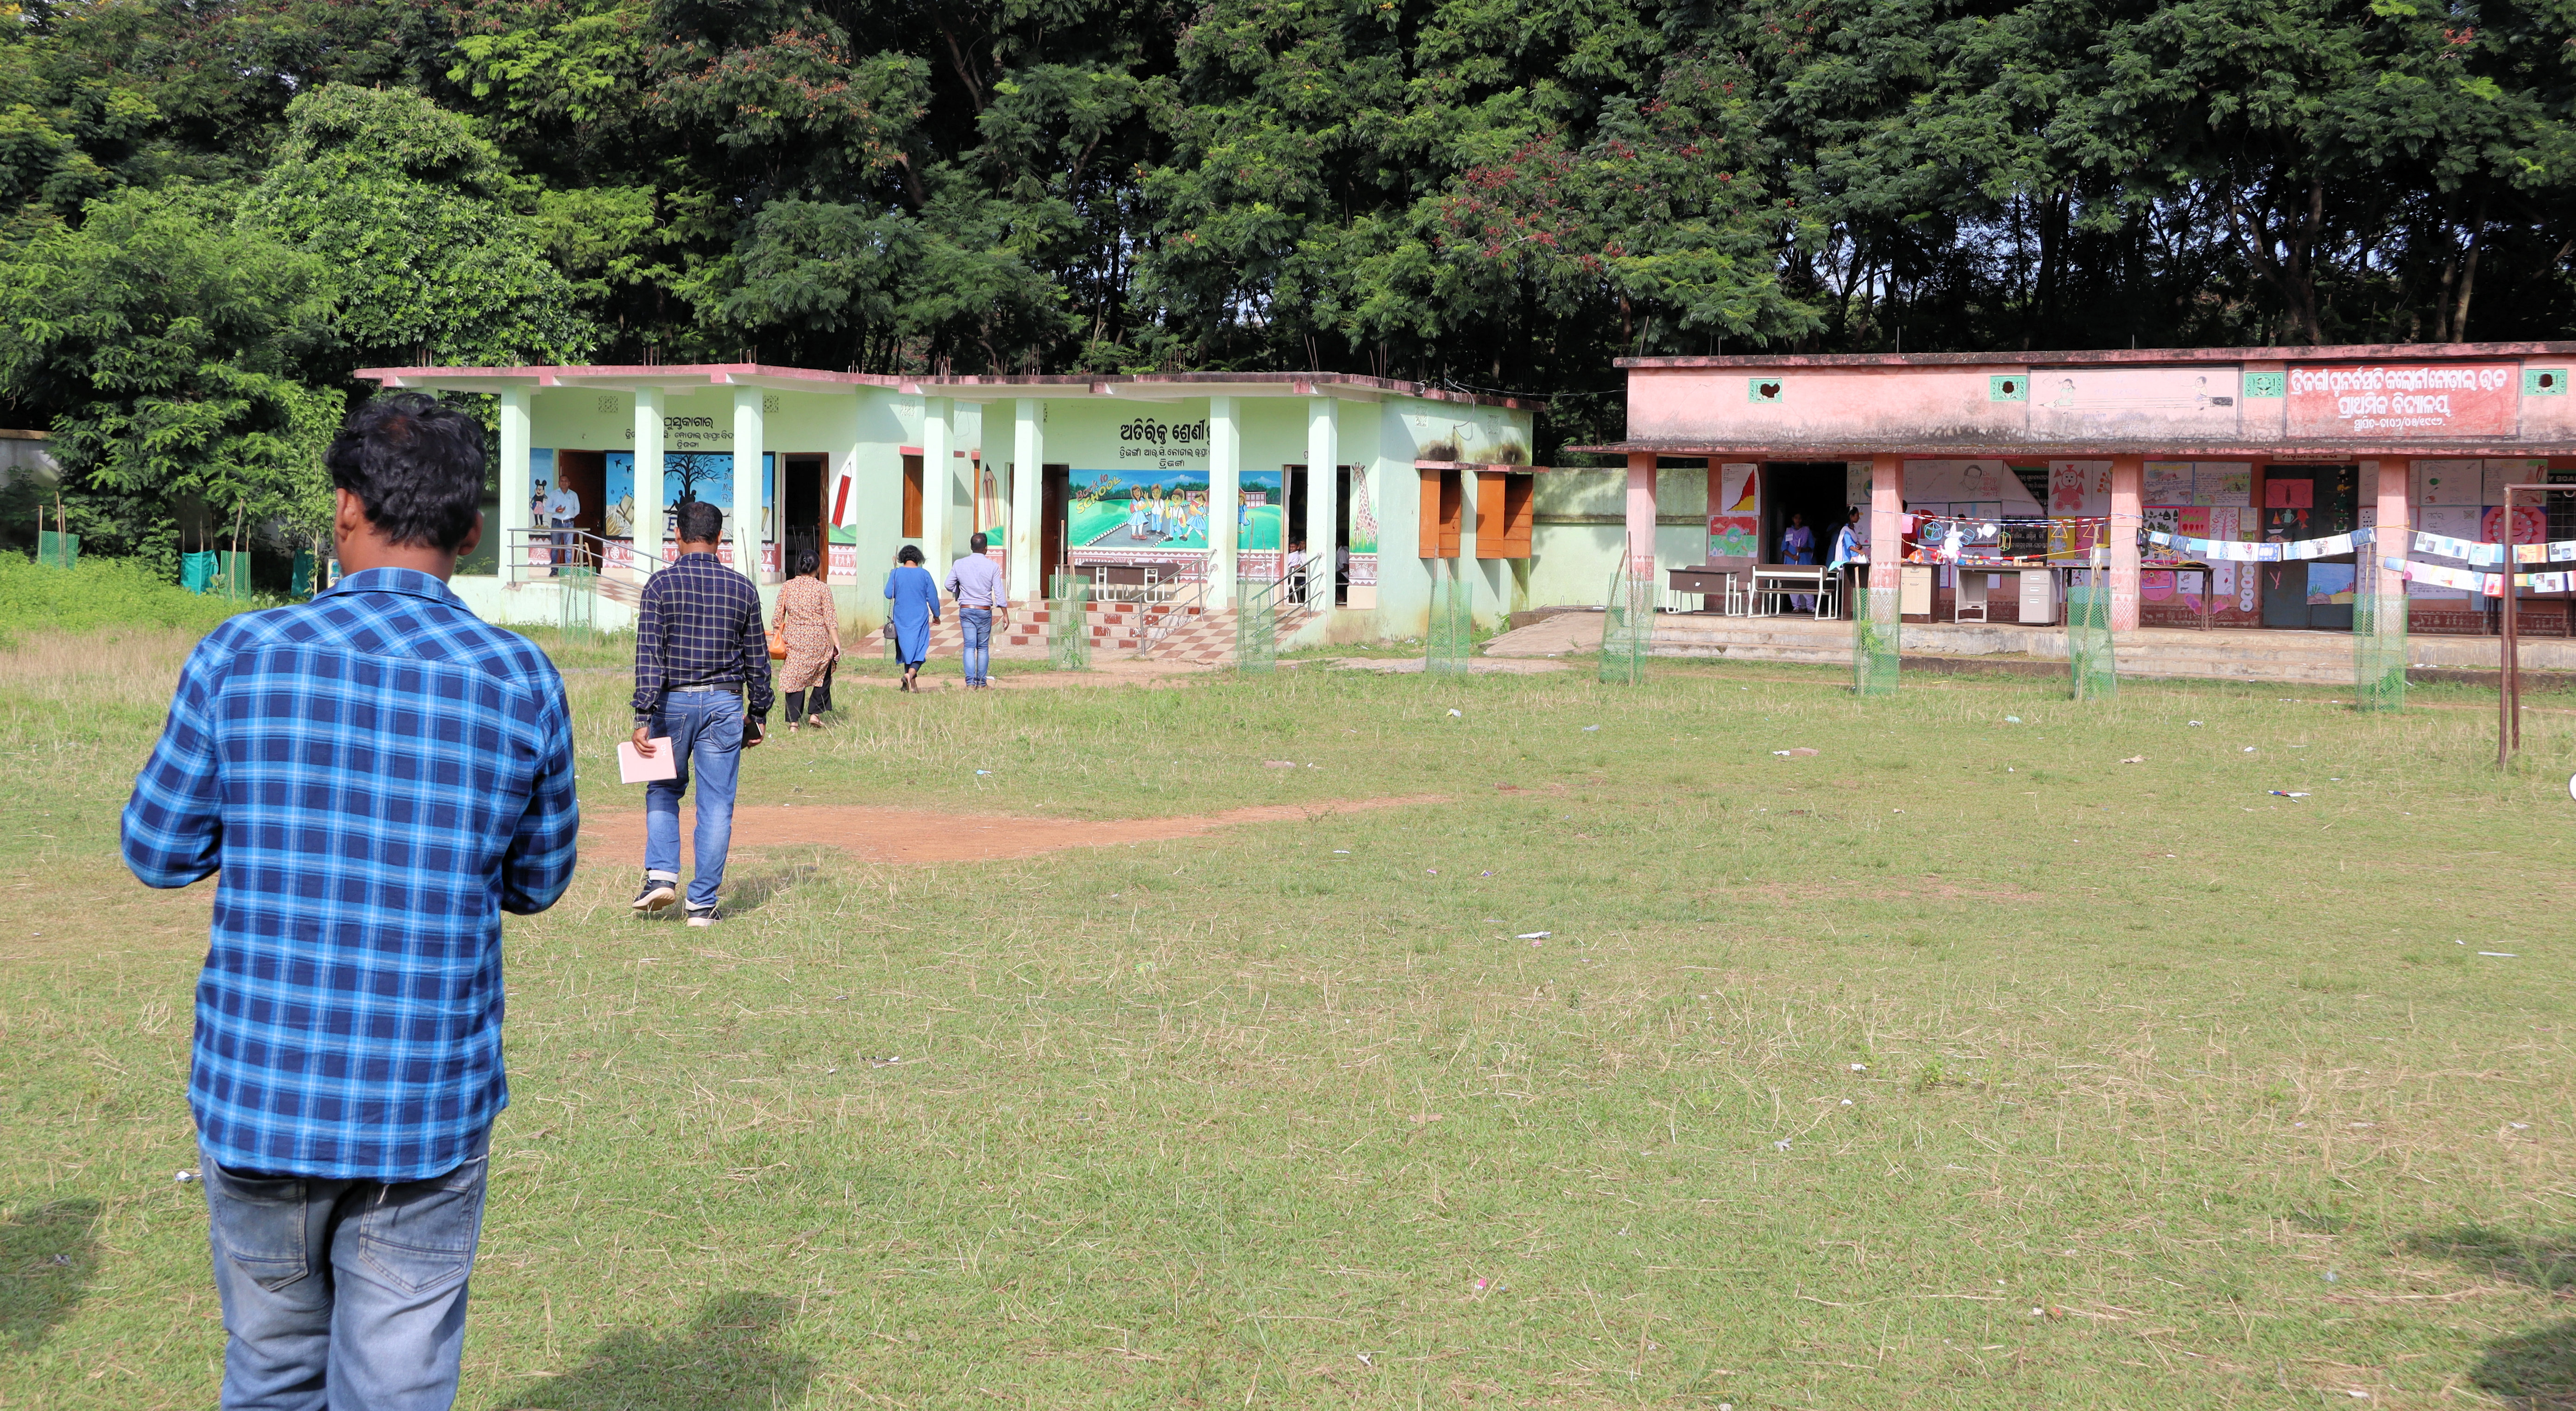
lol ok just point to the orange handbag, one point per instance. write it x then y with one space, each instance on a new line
777 644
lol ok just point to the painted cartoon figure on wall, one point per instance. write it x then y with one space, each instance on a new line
1168 509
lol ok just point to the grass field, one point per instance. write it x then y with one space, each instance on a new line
1961 1064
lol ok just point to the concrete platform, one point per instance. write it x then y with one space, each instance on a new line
2306 658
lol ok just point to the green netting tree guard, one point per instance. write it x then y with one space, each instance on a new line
1878 637
197 572
2089 657
57 550
1628 622
1256 624
231 577
1069 622
577 593
1452 629
2378 634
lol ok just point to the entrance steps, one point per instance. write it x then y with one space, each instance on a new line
1118 629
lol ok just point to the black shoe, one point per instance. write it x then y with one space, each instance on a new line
657 895
708 917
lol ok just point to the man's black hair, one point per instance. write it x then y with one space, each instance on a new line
416 466
979 543
909 553
698 522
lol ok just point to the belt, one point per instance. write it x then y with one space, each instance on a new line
730 688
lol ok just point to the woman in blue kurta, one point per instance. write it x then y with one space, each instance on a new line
915 595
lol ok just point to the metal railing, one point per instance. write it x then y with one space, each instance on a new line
545 553
1157 618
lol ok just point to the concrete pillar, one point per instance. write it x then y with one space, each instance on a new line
1641 510
744 513
1323 497
1225 488
1028 486
2393 535
2128 493
516 514
1887 524
647 526
938 485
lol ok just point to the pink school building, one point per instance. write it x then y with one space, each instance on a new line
2254 445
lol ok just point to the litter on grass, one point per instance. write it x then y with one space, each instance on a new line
1533 935
2012 720
1588 729
184 1177
2503 954
2278 794
1453 714
2135 759
1279 764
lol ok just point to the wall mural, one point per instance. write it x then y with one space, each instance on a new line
688 476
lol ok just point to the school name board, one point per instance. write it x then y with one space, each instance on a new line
2420 399
691 433
1150 443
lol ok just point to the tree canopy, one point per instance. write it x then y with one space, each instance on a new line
1493 195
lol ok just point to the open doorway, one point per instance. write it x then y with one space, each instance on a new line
1055 498
801 494
1808 492
2309 502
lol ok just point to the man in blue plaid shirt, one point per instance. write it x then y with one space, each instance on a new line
701 663
378 775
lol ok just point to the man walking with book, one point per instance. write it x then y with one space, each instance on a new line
702 680
377 775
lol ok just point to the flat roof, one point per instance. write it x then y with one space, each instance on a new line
2283 450
2112 357
1142 387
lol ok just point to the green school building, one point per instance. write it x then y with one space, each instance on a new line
1191 482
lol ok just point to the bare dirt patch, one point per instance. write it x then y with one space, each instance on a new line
924 835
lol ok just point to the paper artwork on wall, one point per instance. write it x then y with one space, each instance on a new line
2512 470
2168 482
2079 487
2449 483
2222 483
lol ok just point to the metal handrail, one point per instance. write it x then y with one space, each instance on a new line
531 549
1158 619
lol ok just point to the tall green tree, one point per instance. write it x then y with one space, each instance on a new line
169 348
407 207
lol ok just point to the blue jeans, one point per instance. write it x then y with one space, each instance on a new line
978 623
706 733
343 1294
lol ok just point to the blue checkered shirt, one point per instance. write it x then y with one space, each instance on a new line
698 625
378 775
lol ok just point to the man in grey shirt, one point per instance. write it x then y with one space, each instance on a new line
975 581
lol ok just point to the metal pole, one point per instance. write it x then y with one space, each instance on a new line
2508 697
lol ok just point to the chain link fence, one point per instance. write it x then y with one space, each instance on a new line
1069 621
1878 636
1256 624
2378 634
1628 622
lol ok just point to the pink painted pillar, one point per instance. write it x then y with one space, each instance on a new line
1641 508
2393 535
1886 524
2128 492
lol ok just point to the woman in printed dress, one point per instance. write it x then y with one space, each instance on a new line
811 624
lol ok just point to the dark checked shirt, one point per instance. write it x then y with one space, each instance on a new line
699 625
378 775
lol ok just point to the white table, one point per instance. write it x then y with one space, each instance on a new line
1773 581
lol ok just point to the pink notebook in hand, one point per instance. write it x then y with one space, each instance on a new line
634 768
